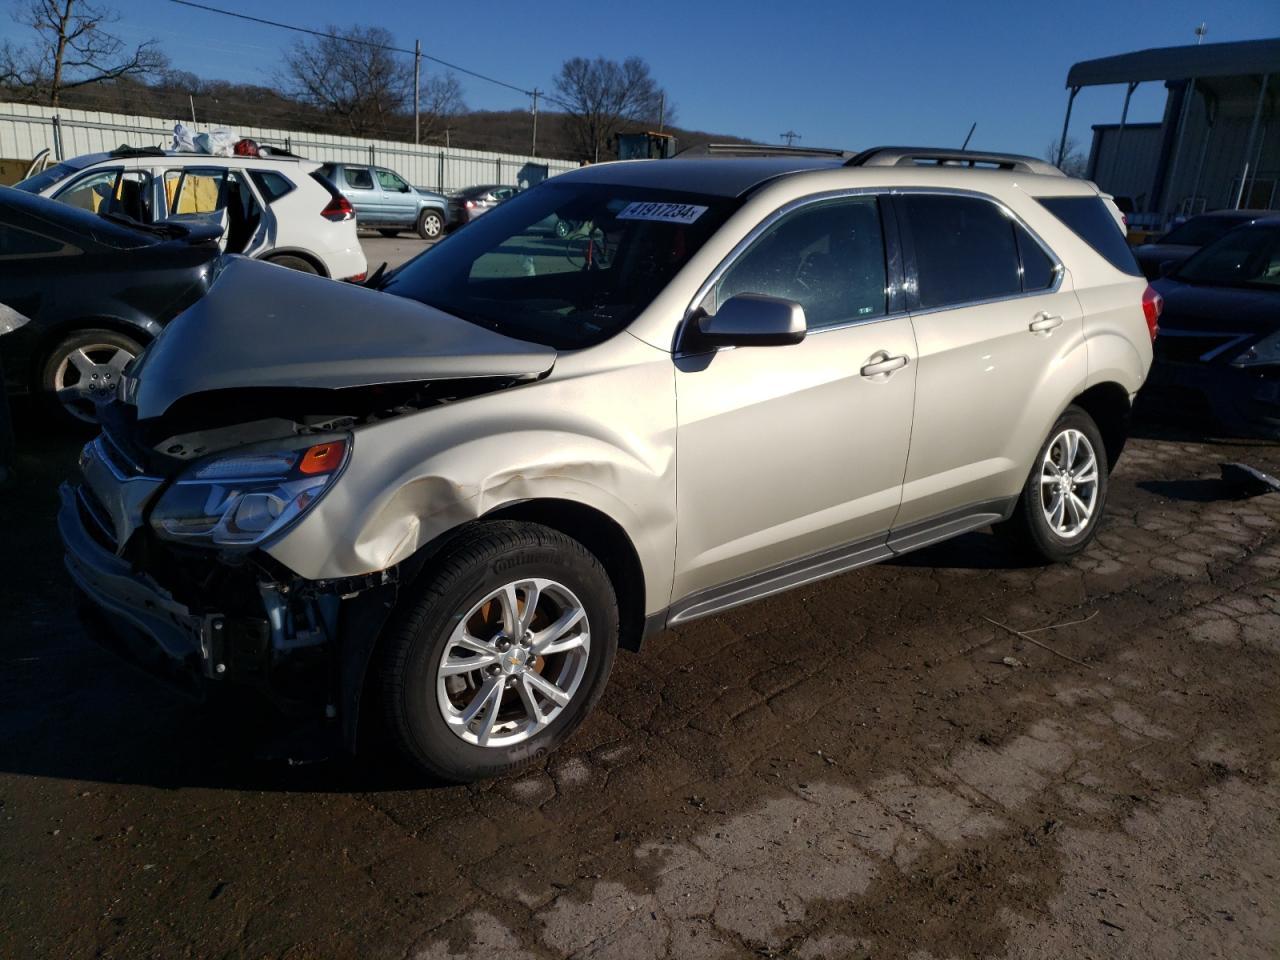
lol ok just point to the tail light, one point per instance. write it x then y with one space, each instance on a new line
470 204
338 209
1152 307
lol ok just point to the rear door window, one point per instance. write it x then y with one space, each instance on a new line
965 249
827 257
1091 221
359 177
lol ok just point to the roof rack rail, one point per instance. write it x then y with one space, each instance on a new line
942 157
759 150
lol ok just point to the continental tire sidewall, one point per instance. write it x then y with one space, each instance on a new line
535 552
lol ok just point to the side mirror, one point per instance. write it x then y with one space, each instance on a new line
753 320
1167 267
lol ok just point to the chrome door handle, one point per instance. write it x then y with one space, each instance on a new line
881 364
1044 322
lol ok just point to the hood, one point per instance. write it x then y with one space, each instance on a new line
263 326
1217 309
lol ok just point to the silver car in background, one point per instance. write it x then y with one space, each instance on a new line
467 204
387 202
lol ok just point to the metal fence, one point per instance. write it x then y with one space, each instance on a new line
26 129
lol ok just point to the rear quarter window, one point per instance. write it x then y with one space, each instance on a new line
271 185
1091 221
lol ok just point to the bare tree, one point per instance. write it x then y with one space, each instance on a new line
441 100
1074 162
601 96
355 75
72 49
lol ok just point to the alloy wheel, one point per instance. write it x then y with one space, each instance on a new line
1069 483
513 663
88 377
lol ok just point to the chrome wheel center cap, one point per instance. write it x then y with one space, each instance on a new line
514 661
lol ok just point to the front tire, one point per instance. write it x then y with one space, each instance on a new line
430 225
1063 499
503 654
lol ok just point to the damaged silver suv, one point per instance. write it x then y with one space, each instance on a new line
443 502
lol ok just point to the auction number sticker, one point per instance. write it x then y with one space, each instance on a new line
662 212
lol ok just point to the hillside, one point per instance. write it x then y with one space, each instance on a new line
220 102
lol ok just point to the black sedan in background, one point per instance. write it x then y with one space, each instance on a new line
1220 329
92 292
1186 238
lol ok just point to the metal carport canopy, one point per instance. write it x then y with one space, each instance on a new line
1179 63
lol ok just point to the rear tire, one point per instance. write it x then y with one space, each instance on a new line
84 371
1062 502
293 263
430 225
475 684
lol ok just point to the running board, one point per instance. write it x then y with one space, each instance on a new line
830 563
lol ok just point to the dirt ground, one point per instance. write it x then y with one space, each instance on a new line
868 767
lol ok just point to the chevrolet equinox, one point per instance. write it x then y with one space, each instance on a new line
441 501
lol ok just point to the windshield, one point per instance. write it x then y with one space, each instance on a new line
47 178
566 265
1201 231
1248 257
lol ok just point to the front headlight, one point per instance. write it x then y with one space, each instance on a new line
239 500
1265 352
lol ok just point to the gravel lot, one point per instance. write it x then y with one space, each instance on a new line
850 770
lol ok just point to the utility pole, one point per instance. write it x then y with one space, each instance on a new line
1200 32
662 109
533 152
417 86
191 100
790 136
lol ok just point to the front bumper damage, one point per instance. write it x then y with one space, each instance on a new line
217 629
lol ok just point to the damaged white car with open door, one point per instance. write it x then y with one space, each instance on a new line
276 208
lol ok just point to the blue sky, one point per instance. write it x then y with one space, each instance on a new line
840 74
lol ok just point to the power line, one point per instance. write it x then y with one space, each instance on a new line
366 43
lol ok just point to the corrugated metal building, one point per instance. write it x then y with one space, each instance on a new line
26 129
1218 144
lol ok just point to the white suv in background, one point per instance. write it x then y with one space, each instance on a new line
279 209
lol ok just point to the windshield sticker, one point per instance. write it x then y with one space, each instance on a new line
662 212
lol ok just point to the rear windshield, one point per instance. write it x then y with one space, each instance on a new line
1199 231
1092 222
567 265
